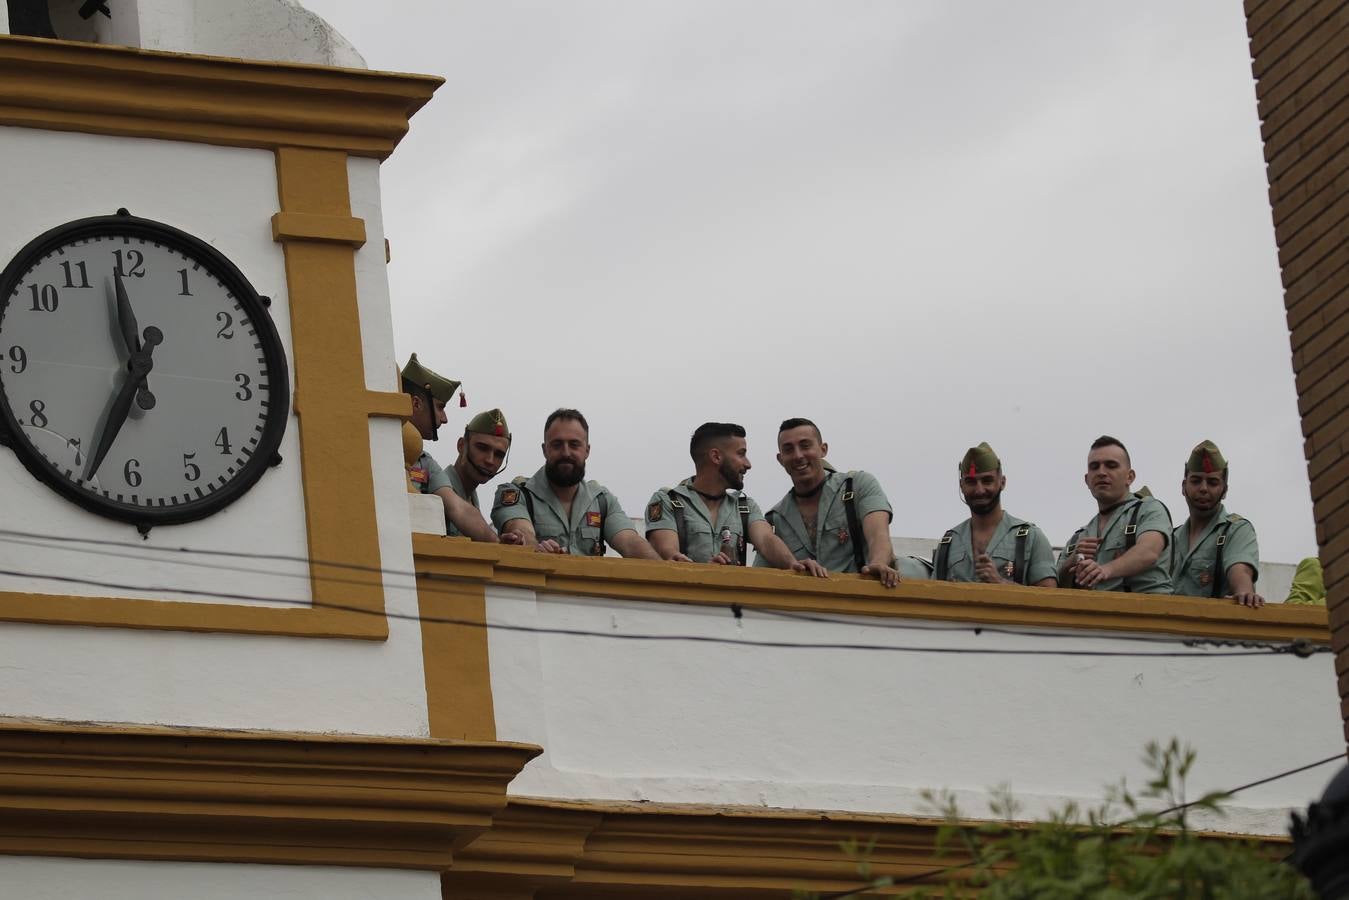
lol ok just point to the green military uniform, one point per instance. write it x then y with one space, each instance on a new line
454 483
1152 516
1036 560
426 473
704 537
1193 568
831 543
596 514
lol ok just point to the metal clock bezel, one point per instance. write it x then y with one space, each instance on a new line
264 456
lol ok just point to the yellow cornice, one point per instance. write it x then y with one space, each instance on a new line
102 89
587 848
197 794
626 579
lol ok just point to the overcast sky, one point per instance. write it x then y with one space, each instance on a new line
921 224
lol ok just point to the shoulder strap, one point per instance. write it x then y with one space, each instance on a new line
603 499
859 543
942 562
1219 570
1019 566
1131 538
519 481
742 506
681 524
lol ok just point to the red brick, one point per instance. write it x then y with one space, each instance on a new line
1333 175
1330 298
1324 413
1327 345
1300 257
1319 213
1317 275
1317 51
1315 98
1270 19
1305 145
1320 377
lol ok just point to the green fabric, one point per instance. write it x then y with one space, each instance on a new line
911 568
492 422
576 535
1206 450
960 558
1153 517
1192 569
454 483
979 459
439 386
435 475
832 539
1309 586
703 534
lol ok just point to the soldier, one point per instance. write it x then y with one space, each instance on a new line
992 546
557 510
841 520
430 392
1213 553
482 454
701 520
1121 548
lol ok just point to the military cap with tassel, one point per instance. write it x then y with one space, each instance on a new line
1206 458
438 386
980 459
492 422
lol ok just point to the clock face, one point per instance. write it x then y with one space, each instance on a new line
140 374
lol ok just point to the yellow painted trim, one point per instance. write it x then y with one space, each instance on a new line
102 89
292 226
454 658
335 461
263 797
627 579
582 848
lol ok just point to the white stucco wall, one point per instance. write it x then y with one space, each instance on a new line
36 878
869 731
275 30
227 197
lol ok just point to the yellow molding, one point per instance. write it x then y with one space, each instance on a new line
456 559
454 660
197 794
565 848
292 226
102 89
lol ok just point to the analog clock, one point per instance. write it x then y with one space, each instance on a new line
140 374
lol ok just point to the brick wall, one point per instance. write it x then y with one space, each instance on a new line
1300 57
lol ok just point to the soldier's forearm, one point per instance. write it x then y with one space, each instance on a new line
1240 579
1138 558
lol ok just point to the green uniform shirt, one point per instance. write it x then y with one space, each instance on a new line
1192 570
587 529
831 544
453 482
704 535
1038 559
435 475
1152 517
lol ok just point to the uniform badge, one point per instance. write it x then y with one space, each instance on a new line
654 512
419 475
593 519
598 549
1008 570
510 497
1205 579
843 535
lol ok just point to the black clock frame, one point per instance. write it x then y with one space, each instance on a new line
264 456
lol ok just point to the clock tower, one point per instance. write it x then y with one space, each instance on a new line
206 599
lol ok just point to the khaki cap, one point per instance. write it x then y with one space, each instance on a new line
437 386
979 459
1206 458
492 422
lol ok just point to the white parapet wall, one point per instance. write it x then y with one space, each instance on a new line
635 714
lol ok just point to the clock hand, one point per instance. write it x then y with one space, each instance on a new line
126 317
137 369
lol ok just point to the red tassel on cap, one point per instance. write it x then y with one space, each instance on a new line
462 401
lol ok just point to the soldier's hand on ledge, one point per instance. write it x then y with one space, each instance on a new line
810 567
679 557
549 546
1248 598
512 537
721 559
886 575
1090 573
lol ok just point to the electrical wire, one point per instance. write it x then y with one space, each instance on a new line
61 540
933 873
